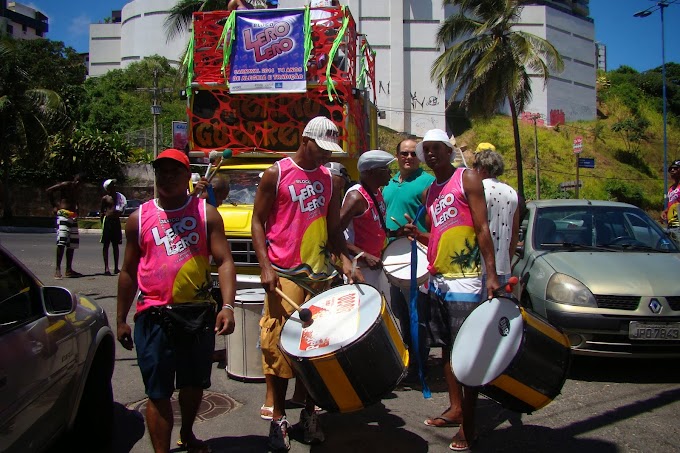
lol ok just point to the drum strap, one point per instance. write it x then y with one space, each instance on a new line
377 207
413 310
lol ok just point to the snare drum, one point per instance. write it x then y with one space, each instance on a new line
519 360
397 263
244 357
352 355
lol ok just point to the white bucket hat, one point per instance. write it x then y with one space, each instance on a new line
436 135
324 132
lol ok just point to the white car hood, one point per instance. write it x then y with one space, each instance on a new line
620 273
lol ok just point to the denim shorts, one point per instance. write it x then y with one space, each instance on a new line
166 364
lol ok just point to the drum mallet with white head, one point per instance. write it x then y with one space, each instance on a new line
226 154
305 313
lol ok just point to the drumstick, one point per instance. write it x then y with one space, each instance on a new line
305 313
354 263
395 221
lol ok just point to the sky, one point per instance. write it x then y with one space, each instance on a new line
630 41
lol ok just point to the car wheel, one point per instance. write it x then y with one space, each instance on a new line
94 421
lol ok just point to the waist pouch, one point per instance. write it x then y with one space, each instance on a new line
185 319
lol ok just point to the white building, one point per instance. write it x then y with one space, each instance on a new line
140 33
21 21
402 32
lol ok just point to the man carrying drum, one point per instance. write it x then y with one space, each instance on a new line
362 216
403 197
459 232
294 229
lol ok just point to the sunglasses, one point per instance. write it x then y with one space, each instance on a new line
407 153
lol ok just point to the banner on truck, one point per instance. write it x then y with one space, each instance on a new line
268 53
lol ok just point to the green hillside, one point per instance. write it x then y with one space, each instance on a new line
626 142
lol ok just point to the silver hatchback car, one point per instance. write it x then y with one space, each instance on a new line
605 273
56 362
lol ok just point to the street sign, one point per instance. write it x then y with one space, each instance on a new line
578 144
586 162
570 185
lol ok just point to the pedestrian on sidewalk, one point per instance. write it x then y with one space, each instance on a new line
66 210
112 207
169 244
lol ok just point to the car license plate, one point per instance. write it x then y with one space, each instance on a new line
654 330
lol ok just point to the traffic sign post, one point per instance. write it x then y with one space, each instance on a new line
577 148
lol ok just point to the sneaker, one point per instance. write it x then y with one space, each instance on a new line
278 435
312 427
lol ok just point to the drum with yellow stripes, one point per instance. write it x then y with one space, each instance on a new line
515 358
352 355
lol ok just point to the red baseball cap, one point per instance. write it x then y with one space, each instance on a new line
173 154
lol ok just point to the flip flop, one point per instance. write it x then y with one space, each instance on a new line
446 422
266 412
73 274
194 446
468 445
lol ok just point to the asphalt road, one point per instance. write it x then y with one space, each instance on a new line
606 405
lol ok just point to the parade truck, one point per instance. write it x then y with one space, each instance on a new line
254 80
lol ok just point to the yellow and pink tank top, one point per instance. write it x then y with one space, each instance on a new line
296 230
673 216
174 266
365 230
452 251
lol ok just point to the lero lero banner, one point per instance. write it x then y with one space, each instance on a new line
268 53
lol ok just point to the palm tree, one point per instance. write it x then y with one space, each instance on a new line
26 115
491 63
179 19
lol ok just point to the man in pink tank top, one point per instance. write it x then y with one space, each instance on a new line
294 229
362 216
167 256
458 233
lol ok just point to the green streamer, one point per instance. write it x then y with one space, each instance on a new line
307 30
226 40
188 63
330 85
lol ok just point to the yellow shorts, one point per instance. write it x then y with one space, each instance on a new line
276 311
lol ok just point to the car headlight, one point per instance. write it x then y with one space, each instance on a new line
564 289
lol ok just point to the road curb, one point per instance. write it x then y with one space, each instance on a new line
39 230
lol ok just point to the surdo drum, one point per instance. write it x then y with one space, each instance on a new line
396 261
515 358
244 356
352 355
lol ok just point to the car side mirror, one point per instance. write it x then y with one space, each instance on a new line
58 301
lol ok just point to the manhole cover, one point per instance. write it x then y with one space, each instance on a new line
212 405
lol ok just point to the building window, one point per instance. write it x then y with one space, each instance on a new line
10 30
24 28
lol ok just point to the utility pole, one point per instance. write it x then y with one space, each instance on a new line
156 108
535 117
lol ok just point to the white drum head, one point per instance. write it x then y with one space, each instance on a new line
487 342
250 295
397 261
341 316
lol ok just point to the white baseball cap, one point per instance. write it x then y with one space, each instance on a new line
436 135
107 183
324 132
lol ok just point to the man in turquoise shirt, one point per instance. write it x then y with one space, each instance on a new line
403 195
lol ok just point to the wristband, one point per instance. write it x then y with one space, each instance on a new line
228 307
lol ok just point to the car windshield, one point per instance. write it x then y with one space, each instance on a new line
598 227
242 185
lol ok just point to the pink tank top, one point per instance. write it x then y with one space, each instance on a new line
296 229
367 231
174 266
452 251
